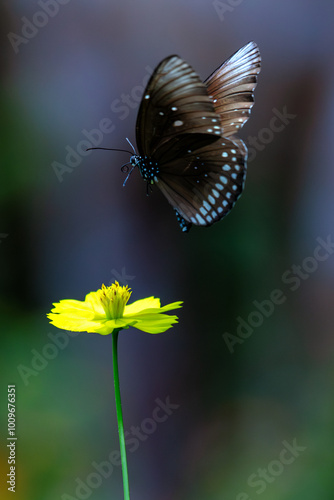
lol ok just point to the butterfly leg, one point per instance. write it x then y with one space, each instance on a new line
184 224
149 189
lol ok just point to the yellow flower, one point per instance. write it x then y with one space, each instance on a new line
106 309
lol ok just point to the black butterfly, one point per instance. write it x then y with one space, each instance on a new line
185 135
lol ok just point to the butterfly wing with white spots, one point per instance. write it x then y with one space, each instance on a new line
204 185
185 135
232 85
175 114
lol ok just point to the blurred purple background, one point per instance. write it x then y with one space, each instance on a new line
64 235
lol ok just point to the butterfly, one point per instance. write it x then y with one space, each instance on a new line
185 134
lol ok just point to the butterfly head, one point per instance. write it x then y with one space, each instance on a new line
135 160
147 168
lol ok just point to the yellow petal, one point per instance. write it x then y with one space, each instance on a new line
173 305
151 310
65 304
155 323
93 299
73 323
139 305
109 326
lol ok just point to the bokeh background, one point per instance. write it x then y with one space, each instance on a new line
239 401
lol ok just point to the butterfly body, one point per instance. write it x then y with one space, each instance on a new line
186 135
148 168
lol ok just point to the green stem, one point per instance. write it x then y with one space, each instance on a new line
120 417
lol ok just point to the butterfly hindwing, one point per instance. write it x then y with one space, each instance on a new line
232 85
176 114
204 186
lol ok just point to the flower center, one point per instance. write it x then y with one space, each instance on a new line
114 299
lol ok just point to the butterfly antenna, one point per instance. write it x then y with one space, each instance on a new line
135 152
112 149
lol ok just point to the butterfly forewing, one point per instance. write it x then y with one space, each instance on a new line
232 85
176 114
204 186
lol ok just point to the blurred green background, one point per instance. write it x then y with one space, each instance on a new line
240 401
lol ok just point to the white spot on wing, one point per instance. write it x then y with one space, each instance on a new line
200 219
178 123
